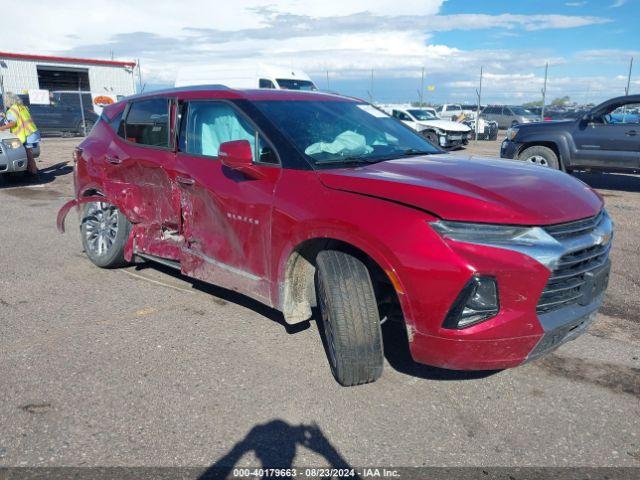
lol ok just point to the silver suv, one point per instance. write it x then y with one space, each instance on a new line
508 116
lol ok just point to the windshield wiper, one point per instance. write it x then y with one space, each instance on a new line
413 151
343 160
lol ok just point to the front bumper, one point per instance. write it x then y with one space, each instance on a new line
509 149
560 327
453 139
12 159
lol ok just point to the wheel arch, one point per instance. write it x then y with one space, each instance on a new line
297 276
558 145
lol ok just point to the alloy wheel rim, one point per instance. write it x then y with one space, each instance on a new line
101 228
538 160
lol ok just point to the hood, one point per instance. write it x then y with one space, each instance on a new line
445 125
5 135
472 189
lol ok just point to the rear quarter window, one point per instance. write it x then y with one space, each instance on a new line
147 122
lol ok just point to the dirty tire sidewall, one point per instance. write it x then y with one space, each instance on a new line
114 257
540 152
350 318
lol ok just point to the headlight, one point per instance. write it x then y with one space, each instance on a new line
512 132
477 302
12 143
486 234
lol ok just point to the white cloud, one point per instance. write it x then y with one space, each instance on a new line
348 38
617 3
575 4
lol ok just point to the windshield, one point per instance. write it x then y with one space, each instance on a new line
520 111
337 132
287 84
422 115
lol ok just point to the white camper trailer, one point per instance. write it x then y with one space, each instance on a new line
245 76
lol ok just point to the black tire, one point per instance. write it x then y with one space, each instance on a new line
539 155
431 138
113 256
350 318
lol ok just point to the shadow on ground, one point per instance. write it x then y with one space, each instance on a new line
611 181
396 346
275 445
230 296
396 351
45 175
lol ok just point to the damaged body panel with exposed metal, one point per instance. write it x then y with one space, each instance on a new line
306 199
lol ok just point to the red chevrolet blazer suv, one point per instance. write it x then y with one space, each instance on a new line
304 200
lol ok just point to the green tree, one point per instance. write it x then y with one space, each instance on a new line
560 101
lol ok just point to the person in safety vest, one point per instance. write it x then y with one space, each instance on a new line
20 123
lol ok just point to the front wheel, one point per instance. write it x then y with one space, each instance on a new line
104 231
350 318
541 156
431 138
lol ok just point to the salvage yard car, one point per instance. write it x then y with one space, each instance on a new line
606 138
303 199
439 132
13 156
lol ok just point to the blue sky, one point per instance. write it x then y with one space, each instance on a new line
587 43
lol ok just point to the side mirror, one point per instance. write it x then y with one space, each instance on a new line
238 155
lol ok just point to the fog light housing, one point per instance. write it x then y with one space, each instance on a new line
477 302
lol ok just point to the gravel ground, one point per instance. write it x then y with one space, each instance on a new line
140 366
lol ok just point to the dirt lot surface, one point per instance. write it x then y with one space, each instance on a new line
140 366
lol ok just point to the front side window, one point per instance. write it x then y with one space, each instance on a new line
147 122
521 111
210 124
628 113
335 132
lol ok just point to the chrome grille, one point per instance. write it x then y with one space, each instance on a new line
573 229
564 286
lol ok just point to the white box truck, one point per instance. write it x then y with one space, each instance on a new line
245 76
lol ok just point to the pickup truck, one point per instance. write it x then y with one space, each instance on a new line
605 138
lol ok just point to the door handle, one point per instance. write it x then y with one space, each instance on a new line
185 180
631 133
113 160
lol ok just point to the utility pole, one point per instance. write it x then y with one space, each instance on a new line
479 95
140 76
328 89
626 90
544 89
422 88
84 123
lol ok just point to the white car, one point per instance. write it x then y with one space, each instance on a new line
13 156
443 133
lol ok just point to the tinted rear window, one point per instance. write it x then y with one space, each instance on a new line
147 122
